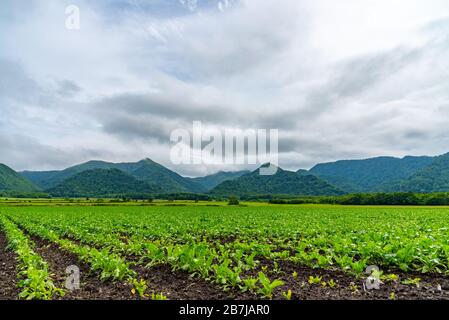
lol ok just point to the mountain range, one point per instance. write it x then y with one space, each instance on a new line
370 175
282 182
12 181
145 170
103 183
211 181
104 179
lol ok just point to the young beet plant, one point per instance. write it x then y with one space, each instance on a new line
315 280
34 278
226 276
267 287
287 295
139 287
109 266
249 284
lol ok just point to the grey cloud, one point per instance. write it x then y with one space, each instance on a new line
351 79
218 46
360 74
273 119
9 9
21 89
303 145
251 67
156 115
15 83
416 135
67 88
130 128
21 152
168 105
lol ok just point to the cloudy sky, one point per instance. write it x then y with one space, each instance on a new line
339 79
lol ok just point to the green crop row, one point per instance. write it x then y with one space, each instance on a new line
108 265
350 238
244 248
34 278
220 264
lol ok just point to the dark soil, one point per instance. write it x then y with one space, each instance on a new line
8 273
431 286
349 288
160 279
91 288
181 286
178 285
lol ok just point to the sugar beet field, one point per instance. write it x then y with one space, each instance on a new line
198 251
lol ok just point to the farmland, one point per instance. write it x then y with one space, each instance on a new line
182 250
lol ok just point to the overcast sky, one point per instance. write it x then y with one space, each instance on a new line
339 79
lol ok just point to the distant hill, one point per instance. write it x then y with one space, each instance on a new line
154 173
283 182
381 174
39 178
102 183
145 170
211 181
49 179
432 178
370 175
12 181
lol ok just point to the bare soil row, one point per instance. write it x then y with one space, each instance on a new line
181 286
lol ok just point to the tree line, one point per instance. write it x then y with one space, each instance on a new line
398 198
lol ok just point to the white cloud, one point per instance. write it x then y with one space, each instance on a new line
189 4
338 78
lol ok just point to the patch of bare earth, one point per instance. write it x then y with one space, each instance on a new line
178 285
91 287
431 287
8 273
160 279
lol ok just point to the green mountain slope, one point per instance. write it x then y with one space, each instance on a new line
370 175
12 181
145 170
433 178
49 179
39 178
382 174
211 181
283 182
102 183
154 173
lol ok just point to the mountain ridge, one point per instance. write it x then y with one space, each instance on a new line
145 170
211 181
282 182
432 178
102 183
10 180
369 175
379 174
